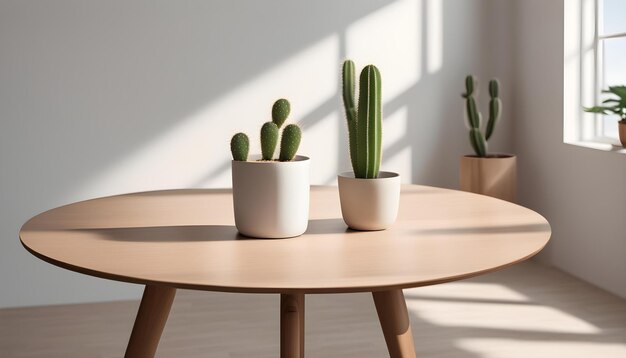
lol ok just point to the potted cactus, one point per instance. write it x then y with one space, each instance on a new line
369 197
615 106
271 195
483 172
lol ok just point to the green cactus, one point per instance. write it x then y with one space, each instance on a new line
292 135
280 111
289 142
478 142
474 118
269 139
469 86
364 122
239 147
348 102
495 105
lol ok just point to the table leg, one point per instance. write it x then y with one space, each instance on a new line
151 317
292 325
394 320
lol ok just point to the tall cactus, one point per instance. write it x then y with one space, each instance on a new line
364 123
474 118
239 147
347 75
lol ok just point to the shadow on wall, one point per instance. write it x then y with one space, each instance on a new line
111 97
145 96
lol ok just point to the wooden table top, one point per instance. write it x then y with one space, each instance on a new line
187 239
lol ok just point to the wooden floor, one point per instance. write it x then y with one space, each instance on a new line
525 311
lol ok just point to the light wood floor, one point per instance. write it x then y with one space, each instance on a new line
525 311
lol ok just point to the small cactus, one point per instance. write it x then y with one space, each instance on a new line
290 142
280 111
495 105
474 118
239 147
269 139
292 135
364 123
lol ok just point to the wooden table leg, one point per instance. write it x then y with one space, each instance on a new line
394 320
292 325
151 317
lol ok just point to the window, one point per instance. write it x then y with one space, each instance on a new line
594 58
610 45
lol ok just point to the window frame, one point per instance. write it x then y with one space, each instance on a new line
599 135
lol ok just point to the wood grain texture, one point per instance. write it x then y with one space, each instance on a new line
292 326
150 321
492 176
394 321
186 239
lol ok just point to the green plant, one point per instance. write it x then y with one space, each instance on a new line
239 146
364 121
474 117
290 141
280 111
269 139
613 105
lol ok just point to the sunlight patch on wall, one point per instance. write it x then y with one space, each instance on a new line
322 139
523 348
571 71
434 33
395 136
500 316
197 150
588 91
391 39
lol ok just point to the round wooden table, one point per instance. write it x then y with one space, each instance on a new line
187 239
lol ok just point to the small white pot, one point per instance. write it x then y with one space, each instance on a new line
369 204
271 198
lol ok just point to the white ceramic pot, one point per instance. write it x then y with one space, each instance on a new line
271 198
369 204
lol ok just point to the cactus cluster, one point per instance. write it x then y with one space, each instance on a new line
364 121
290 140
474 117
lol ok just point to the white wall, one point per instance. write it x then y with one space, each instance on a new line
98 98
581 191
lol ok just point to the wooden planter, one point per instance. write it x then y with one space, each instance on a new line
494 176
622 133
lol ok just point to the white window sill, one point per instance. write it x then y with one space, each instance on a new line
600 145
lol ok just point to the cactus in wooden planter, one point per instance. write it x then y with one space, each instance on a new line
474 117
